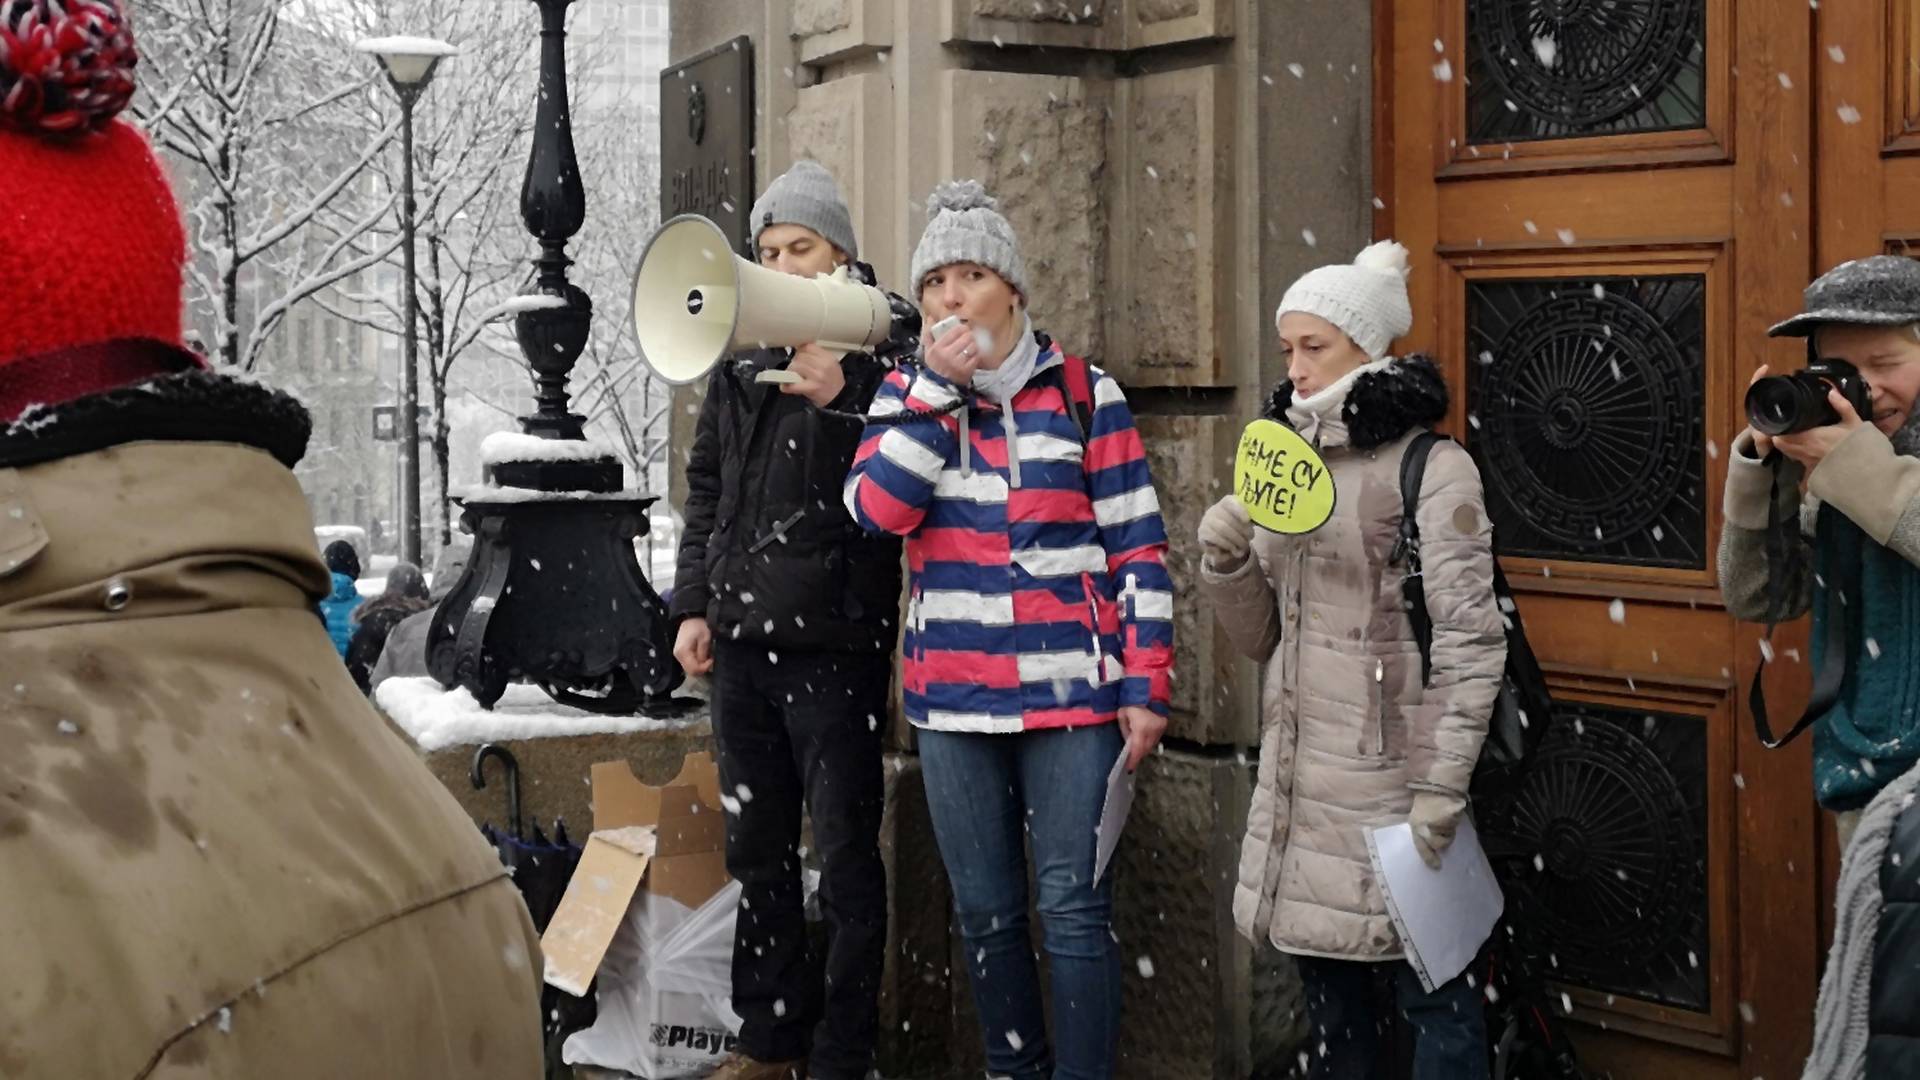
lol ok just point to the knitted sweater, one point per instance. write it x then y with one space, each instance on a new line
1872 732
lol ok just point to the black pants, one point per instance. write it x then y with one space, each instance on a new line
794 727
1350 1006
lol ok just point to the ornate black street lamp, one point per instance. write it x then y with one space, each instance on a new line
410 63
553 593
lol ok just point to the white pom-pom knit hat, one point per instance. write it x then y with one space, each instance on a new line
1366 299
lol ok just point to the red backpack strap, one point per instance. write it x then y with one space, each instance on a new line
1079 380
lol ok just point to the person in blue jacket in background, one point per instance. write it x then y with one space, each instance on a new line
338 608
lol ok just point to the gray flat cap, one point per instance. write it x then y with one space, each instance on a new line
1880 290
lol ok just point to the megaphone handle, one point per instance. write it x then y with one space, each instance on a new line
776 377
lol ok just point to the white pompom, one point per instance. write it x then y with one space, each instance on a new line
1387 255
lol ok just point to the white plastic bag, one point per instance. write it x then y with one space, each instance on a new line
665 991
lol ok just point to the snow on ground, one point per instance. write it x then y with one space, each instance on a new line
437 718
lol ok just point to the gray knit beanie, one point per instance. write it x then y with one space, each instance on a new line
964 225
806 195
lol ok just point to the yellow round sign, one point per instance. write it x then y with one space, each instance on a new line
1281 480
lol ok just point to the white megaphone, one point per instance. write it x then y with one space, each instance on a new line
695 301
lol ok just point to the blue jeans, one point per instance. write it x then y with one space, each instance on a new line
1347 1003
990 794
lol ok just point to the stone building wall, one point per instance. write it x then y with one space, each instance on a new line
1170 166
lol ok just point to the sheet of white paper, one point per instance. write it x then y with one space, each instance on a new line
1113 814
1443 915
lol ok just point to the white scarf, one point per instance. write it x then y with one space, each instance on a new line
1312 415
1001 383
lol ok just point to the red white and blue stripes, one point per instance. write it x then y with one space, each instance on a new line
1037 602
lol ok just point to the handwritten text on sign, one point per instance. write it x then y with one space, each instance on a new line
1283 483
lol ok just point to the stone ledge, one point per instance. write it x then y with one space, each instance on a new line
555 772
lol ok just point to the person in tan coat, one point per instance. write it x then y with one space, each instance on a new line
1350 738
215 859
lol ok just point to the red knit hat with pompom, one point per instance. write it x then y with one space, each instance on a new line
91 242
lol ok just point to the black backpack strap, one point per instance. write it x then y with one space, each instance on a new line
1833 654
1413 591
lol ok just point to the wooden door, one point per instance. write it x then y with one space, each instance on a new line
1608 202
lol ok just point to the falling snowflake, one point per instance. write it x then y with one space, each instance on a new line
1766 650
1546 51
1617 611
226 1020
1307 235
1014 1040
1443 71
1746 1012
1532 229
1785 82
780 1007
68 727
1297 71
1145 964
1740 781
1566 236
1873 648
1849 114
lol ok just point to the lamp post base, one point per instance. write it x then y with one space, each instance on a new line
553 595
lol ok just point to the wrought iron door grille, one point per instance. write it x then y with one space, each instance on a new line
1603 853
1558 69
1586 401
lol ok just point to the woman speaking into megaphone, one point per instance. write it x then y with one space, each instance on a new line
1040 631
793 610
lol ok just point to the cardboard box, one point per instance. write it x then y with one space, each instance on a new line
669 840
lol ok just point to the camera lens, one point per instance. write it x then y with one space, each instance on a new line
1772 405
1785 404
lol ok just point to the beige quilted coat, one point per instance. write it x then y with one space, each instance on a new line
1347 731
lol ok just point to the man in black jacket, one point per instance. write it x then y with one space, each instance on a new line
794 611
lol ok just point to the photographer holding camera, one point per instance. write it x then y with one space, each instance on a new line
1845 430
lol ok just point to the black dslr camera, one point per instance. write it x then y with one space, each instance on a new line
1788 404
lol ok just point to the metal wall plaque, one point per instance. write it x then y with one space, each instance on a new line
706 138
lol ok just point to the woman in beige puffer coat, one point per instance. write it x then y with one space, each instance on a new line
1350 737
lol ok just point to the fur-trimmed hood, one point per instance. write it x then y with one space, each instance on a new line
192 406
1381 405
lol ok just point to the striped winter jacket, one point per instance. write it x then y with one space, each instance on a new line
1039 595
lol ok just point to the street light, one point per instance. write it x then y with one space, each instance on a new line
409 63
